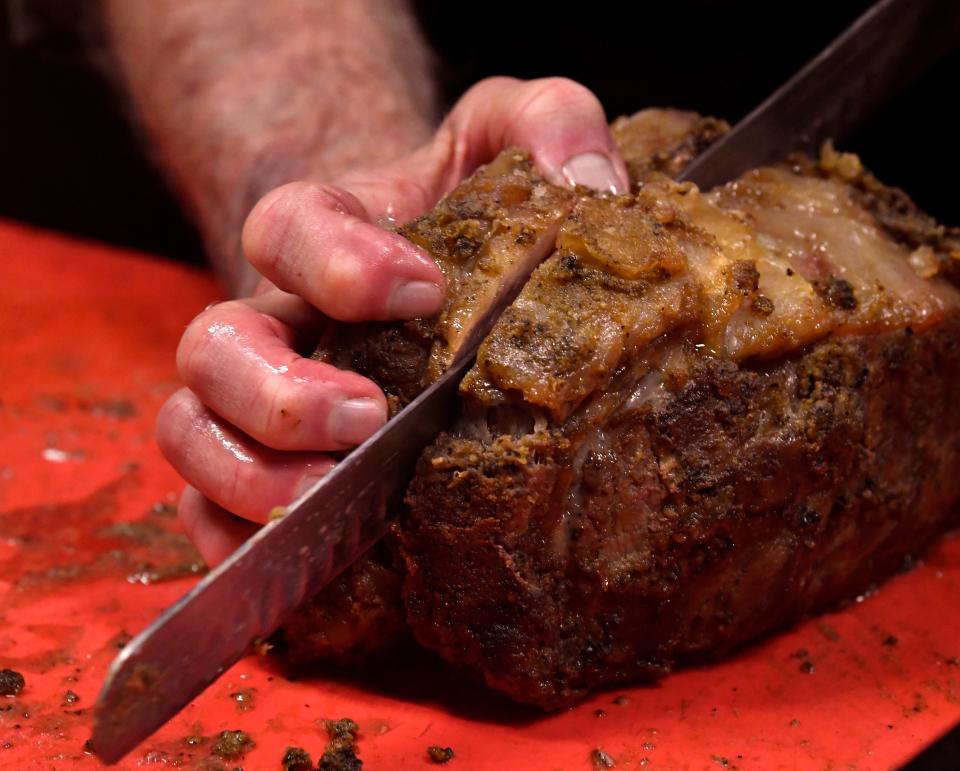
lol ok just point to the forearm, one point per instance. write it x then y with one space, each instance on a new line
238 97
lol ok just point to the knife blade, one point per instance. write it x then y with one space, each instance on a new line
332 524
884 50
249 595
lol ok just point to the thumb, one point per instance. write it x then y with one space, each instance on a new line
560 123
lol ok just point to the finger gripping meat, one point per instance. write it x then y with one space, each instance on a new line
707 414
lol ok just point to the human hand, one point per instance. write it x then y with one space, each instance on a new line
250 429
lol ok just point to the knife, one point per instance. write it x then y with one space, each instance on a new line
325 530
882 52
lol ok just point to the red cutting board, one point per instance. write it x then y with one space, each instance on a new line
87 340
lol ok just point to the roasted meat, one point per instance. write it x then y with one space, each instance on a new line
706 415
485 235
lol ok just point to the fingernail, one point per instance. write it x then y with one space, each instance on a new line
415 299
353 420
592 170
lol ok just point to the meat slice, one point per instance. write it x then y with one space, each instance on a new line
706 415
617 281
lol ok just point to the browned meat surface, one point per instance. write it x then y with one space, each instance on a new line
711 504
664 140
706 415
486 236
360 614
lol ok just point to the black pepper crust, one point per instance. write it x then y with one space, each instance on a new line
748 498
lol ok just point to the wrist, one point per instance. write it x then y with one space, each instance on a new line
238 98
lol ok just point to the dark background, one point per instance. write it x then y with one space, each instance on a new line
70 160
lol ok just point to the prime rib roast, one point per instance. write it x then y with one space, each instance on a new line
707 414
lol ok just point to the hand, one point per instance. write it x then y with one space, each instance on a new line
249 431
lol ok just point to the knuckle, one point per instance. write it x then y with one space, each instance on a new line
557 93
478 99
336 199
173 424
271 225
188 510
291 227
411 189
279 412
349 288
202 336
239 486
166 423
493 84
414 191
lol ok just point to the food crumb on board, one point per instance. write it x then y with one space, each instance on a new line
296 759
233 744
440 754
244 699
11 682
601 759
829 632
340 754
